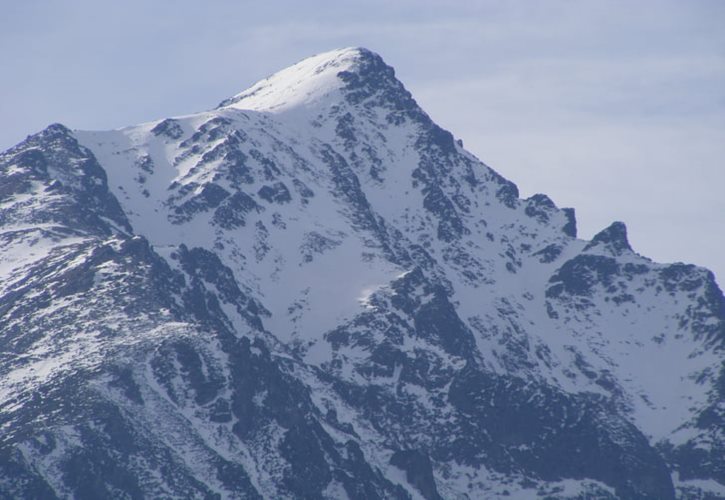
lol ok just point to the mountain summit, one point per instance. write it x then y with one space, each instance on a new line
314 291
308 82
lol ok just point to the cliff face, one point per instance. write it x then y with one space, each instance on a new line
313 291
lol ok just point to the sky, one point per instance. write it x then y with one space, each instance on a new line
615 108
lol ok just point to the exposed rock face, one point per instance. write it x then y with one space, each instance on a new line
313 291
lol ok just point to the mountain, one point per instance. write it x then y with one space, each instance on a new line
314 291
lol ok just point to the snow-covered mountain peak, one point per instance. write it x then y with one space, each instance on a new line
314 291
305 83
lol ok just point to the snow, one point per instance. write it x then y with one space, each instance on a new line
713 488
332 284
454 478
302 84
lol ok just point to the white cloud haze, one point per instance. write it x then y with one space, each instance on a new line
615 108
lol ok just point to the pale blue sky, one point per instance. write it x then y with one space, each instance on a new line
615 108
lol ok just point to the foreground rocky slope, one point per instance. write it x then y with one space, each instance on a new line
313 291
